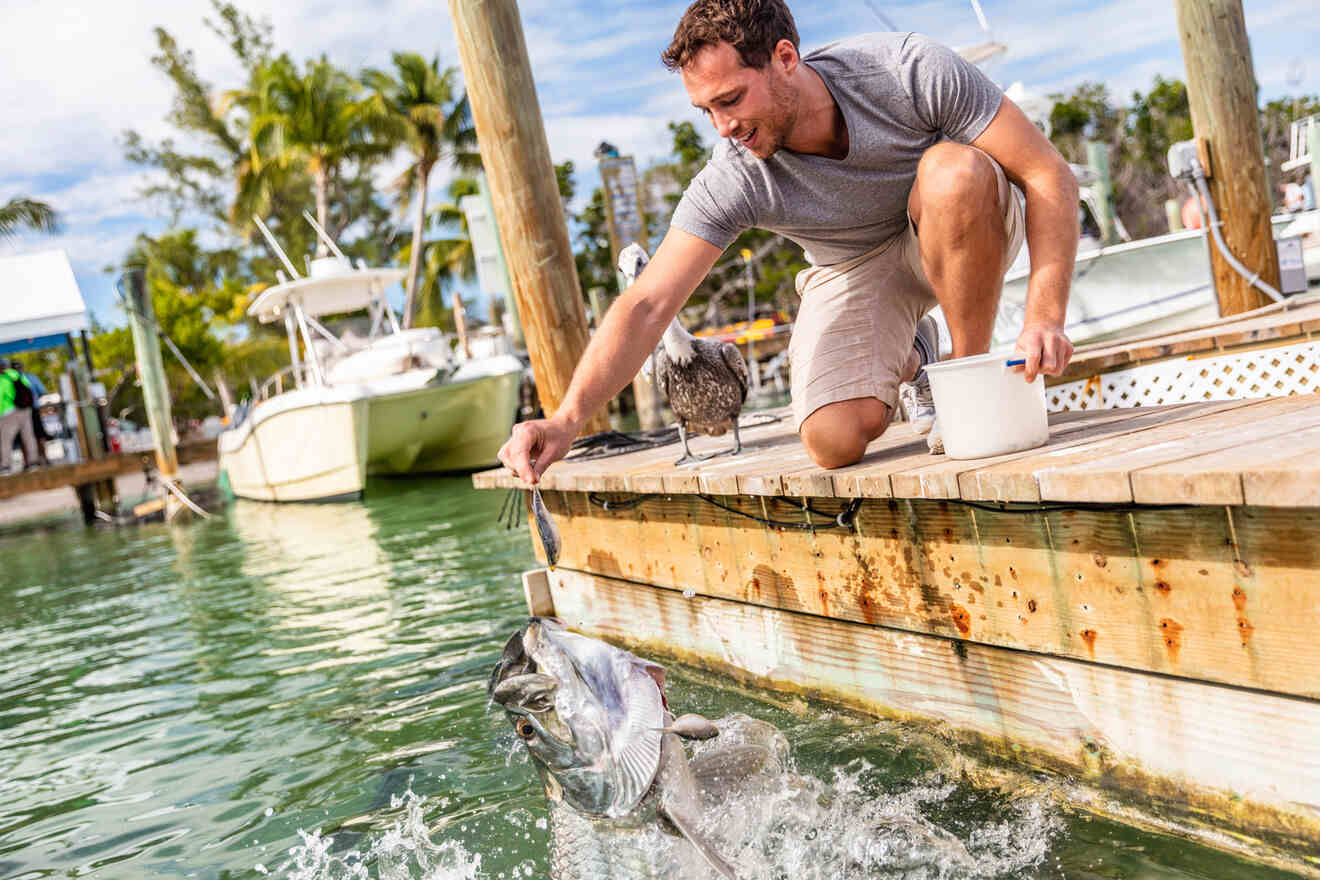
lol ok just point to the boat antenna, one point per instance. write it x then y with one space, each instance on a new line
275 246
884 19
980 16
330 242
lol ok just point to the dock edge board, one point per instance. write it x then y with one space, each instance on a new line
1210 757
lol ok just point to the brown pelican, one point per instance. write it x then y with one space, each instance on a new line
704 380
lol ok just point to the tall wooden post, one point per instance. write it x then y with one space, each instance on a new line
1221 89
524 192
151 372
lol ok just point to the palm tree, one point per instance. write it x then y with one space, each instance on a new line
435 124
316 120
21 213
449 258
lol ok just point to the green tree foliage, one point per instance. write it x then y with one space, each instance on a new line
434 122
447 258
225 176
20 213
1139 136
189 285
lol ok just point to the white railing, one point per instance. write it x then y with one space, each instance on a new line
1299 143
1266 372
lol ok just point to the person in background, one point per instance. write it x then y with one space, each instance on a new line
16 402
38 391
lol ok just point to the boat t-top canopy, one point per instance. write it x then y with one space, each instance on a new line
39 301
331 289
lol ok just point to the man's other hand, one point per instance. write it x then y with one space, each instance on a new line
1046 350
534 446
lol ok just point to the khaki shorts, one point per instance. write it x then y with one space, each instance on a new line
857 320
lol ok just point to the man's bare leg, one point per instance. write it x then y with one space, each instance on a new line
836 435
960 229
960 224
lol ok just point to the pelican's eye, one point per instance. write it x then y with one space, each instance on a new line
524 728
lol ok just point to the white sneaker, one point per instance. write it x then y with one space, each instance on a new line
918 402
918 405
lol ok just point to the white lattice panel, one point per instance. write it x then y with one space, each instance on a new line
1268 372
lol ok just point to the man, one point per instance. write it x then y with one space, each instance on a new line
888 158
38 427
16 401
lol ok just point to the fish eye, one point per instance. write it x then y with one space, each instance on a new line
524 728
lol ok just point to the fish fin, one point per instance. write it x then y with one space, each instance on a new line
692 726
687 827
714 770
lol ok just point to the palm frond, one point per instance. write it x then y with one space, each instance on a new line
22 213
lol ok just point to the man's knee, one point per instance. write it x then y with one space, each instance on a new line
958 180
837 434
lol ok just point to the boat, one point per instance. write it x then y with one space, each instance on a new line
389 402
1151 285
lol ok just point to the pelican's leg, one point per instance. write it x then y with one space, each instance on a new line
688 457
737 444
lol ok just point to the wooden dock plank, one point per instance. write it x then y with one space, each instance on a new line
1108 477
943 477
95 470
1019 479
1217 477
1105 456
1245 758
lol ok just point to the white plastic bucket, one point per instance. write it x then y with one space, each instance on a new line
985 407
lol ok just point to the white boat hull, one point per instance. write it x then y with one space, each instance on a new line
320 444
276 459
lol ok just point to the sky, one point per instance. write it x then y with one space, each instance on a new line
75 76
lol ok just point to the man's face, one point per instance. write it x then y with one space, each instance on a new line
755 107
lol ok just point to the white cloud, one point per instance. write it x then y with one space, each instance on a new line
74 76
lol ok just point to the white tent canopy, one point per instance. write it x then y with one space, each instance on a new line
39 299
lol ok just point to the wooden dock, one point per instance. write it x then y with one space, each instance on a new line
1135 603
95 470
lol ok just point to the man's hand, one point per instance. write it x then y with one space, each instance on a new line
1045 348
534 446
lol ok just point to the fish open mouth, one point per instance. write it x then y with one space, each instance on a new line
514 660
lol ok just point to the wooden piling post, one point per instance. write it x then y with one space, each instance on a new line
1221 90
524 192
151 372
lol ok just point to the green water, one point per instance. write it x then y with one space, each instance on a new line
299 691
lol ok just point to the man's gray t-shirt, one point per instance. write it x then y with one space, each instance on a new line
899 94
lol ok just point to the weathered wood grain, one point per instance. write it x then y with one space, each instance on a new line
1248 761
1020 479
1089 584
1108 476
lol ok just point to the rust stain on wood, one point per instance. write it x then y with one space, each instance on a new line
1088 636
1171 632
961 619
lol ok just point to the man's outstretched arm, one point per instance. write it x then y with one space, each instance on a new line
625 339
1031 162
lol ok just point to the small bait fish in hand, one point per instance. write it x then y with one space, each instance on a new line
546 528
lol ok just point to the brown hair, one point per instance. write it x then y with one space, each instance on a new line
752 27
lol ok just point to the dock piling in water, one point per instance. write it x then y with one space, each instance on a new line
155 393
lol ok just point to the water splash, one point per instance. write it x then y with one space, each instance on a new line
774 825
404 850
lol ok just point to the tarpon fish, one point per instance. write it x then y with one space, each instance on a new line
546 528
597 726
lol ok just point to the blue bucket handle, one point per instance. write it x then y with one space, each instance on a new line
1016 362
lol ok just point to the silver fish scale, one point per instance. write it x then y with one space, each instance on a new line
581 849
